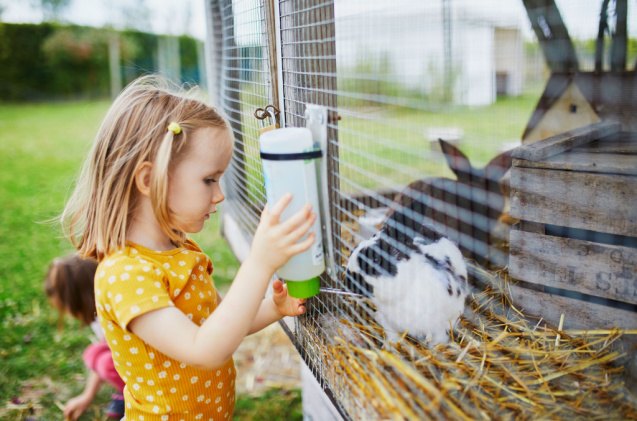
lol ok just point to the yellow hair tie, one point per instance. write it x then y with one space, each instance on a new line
174 127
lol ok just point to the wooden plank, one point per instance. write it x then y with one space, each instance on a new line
603 163
309 77
214 47
619 143
596 202
577 314
271 31
564 141
589 268
617 148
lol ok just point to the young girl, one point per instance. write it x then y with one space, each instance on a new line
151 178
69 286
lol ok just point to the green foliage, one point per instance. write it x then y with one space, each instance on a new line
24 73
189 62
75 50
143 63
52 61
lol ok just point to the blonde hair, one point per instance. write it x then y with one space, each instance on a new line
135 130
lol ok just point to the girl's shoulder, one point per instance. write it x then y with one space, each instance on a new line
124 262
135 258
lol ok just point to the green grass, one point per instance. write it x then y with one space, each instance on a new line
380 136
274 404
41 149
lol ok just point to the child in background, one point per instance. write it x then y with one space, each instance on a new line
69 286
151 178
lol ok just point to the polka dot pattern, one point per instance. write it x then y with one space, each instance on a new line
134 281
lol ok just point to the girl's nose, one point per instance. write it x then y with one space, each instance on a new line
218 196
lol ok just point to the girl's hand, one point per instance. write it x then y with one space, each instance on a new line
76 407
275 242
285 304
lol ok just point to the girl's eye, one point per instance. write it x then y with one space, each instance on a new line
210 181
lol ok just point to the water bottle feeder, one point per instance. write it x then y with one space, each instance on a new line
288 156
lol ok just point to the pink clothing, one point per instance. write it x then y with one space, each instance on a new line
98 358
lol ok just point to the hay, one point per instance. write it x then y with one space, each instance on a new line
499 364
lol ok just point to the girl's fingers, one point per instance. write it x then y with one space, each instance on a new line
297 219
265 210
303 245
277 286
280 206
302 229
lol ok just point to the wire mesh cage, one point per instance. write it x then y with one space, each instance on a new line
430 106
241 63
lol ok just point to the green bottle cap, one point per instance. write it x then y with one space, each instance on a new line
304 289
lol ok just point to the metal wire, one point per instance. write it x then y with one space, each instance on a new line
395 78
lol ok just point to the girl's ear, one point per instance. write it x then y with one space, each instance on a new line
142 178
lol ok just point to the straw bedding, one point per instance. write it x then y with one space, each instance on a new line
499 364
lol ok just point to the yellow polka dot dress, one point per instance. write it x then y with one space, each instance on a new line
136 280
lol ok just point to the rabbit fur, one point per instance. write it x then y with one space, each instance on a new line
419 289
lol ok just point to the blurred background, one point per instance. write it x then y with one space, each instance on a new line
65 49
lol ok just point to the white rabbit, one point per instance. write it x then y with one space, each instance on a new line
418 287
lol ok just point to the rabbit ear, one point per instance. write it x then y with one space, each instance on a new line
457 161
498 166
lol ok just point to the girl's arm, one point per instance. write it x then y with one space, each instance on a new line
266 315
77 405
213 343
274 308
277 306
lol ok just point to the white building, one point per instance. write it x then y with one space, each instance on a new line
473 58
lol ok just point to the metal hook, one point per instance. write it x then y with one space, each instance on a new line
269 111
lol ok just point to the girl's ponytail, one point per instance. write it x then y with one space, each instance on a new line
159 174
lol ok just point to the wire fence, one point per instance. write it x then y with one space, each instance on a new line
426 103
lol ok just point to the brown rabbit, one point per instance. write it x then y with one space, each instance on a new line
464 210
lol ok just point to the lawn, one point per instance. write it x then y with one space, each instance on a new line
383 147
41 149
